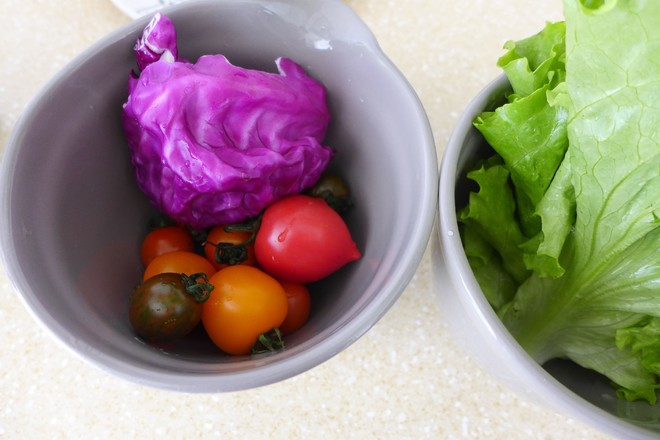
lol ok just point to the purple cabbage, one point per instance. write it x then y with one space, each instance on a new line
212 143
158 42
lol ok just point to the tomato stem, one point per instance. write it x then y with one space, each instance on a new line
270 341
339 204
230 253
198 236
199 290
250 225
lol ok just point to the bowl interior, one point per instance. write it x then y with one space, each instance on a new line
73 210
561 383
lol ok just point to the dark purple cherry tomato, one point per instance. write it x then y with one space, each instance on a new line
168 306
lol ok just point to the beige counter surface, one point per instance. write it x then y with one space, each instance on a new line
405 379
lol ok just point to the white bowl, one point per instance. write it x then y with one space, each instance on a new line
73 217
562 385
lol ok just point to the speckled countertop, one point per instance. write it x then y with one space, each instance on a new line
406 378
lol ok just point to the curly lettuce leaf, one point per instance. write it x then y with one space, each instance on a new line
557 211
528 132
530 135
612 279
491 214
533 62
496 282
593 295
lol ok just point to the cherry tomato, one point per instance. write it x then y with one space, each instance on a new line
179 262
165 239
334 190
166 307
244 304
227 247
300 305
301 239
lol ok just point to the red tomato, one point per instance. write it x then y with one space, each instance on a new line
236 252
163 240
245 302
300 304
301 239
185 262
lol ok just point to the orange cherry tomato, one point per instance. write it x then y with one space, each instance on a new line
228 247
244 304
300 305
163 240
179 262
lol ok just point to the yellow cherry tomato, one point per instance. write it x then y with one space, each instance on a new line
244 304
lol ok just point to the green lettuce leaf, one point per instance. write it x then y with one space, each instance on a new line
498 285
557 211
490 213
528 132
530 135
536 61
593 293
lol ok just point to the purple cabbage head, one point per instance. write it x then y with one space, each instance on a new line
212 143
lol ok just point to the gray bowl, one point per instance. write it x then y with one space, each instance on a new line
71 208
562 385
